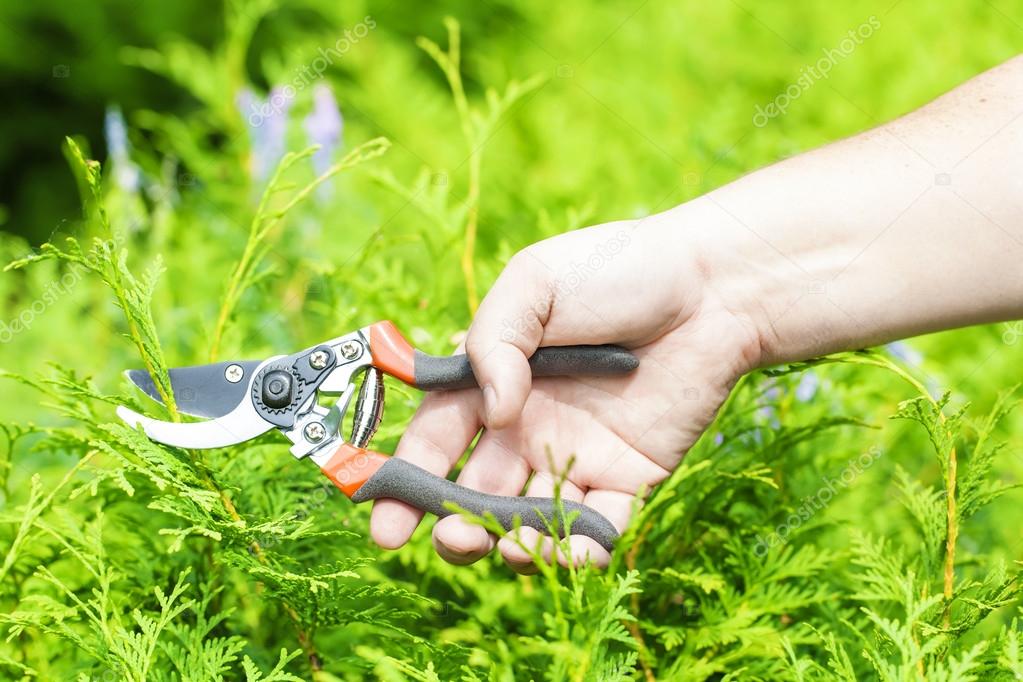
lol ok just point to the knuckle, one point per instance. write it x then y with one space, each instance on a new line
527 270
524 260
515 312
479 346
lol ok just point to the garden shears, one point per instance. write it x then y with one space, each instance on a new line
242 400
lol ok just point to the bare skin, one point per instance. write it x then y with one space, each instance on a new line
909 228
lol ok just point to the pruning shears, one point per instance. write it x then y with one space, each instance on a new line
239 401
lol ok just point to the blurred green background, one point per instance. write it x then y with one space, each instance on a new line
640 105
641 92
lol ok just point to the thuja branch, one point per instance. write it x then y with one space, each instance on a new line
266 220
478 126
108 260
951 473
305 641
450 63
874 359
34 508
133 295
633 625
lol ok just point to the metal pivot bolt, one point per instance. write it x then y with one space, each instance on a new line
234 373
350 349
314 432
276 390
318 359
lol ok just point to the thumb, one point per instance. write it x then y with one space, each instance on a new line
507 329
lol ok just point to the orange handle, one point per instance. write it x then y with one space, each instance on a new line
391 352
350 466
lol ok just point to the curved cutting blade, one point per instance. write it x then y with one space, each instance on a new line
243 424
209 391
237 425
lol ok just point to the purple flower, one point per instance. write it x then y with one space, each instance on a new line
248 107
906 353
807 387
267 122
768 412
719 438
126 174
323 126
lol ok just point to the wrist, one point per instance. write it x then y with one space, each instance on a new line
769 276
862 242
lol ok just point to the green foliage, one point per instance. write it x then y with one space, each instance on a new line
867 533
477 128
259 241
109 262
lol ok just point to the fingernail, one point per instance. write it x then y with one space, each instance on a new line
489 400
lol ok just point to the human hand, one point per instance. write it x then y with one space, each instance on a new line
850 245
641 284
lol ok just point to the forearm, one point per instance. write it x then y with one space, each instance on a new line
913 227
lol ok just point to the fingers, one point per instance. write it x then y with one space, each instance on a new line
438 434
506 330
583 549
613 505
495 469
518 550
459 542
514 545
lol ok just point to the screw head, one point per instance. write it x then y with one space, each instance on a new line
314 432
350 349
276 389
318 359
234 373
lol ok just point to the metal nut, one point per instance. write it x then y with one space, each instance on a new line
350 349
318 359
234 373
277 389
314 432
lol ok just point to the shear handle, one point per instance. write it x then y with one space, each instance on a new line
393 354
367 475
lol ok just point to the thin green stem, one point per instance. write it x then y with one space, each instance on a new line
471 228
265 221
951 469
951 472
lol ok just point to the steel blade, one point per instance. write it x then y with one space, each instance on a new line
243 424
209 391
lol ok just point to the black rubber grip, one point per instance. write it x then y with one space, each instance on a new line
401 480
434 372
